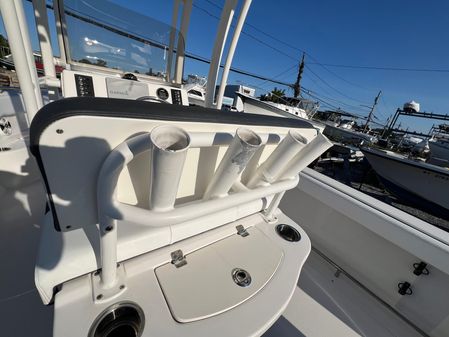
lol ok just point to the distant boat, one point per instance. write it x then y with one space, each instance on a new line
7 62
196 90
347 135
301 108
439 151
341 130
439 145
413 181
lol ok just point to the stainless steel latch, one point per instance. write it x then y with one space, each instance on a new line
178 258
241 231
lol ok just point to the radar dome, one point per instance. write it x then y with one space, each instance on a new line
411 106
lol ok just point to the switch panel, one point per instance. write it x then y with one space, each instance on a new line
176 96
84 86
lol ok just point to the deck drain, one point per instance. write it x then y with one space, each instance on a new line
241 277
288 233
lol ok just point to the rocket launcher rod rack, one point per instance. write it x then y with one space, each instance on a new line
169 145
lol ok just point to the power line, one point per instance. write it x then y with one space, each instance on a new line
247 34
276 49
288 45
281 73
382 68
239 71
320 99
333 88
261 31
351 106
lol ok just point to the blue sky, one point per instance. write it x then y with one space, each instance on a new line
403 34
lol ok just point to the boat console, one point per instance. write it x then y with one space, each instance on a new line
127 86
164 219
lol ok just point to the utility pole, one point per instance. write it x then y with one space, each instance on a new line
372 110
297 85
386 126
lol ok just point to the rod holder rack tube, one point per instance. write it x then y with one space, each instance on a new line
307 155
151 218
269 211
168 154
270 170
237 156
106 197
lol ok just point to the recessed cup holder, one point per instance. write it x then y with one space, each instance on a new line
288 233
123 319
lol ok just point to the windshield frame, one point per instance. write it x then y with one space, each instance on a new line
179 43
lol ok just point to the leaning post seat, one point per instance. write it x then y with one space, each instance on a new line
170 212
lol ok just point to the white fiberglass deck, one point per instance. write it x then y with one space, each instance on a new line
323 305
327 303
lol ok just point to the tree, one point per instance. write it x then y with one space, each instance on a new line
99 62
4 46
84 61
3 41
276 95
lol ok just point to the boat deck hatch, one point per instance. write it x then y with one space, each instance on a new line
205 285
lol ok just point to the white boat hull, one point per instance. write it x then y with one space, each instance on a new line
346 135
439 150
417 182
253 105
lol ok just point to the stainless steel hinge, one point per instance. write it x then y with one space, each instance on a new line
178 258
241 231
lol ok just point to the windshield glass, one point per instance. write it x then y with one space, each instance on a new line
107 35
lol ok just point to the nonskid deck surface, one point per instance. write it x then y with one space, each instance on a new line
325 304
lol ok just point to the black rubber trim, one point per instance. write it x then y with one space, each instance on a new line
110 107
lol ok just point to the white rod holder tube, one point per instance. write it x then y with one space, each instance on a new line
310 152
41 17
233 46
237 156
270 170
220 40
168 155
